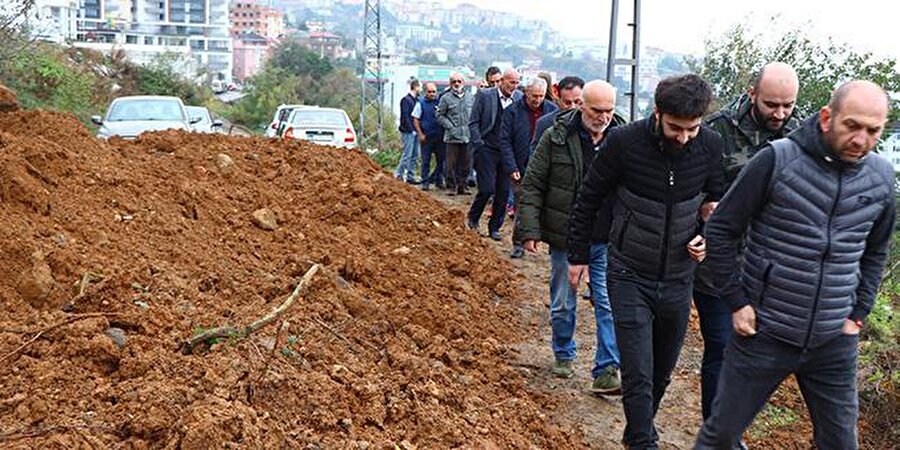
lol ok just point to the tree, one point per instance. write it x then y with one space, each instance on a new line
733 59
297 59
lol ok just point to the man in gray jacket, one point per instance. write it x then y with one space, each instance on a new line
816 211
453 114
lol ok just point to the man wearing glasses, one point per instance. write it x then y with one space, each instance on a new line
453 115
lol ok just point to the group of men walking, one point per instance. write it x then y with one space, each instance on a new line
777 228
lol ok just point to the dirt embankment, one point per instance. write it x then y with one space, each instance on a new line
114 253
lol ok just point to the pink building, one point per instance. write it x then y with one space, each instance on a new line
250 53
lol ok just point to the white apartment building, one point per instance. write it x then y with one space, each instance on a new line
145 29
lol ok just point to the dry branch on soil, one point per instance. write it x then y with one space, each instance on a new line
228 332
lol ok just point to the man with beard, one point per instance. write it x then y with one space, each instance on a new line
484 129
519 122
568 96
453 115
551 182
765 113
814 213
659 170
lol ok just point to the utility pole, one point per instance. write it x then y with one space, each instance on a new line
372 92
634 61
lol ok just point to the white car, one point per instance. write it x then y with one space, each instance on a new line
329 126
205 124
128 117
276 126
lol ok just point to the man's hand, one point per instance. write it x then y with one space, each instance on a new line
707 209
850 327
697 248
744 321
516 176
531 246
421 138
576 273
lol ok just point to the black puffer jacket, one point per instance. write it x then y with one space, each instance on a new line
658 194
817 233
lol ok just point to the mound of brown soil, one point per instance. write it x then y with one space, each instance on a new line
114 253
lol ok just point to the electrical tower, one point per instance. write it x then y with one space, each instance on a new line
634 61
372 93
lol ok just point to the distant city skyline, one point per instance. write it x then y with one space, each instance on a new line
681 27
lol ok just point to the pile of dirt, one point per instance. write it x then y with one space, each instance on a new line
8 100
115 253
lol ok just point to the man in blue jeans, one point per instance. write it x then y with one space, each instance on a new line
815 211
406 169
548 190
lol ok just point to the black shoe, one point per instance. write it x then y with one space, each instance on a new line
517 252
426 187
472 225
413 181
462 191
439 185
495 235
471 183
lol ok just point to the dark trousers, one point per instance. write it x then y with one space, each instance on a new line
650 322
492 181
457 164
517 195
755 366
433 145
716 329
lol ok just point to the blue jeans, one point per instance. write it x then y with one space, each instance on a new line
716 329
563 301
406 169
754 367
607 352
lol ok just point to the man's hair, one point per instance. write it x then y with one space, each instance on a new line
414 83
683 96
491 71
538 82
570 82
840 94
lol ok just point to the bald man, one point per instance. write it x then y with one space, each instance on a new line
555 170
485 126
815 212
764 113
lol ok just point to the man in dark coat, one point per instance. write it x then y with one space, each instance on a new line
516 134
660 171
485 124
815 211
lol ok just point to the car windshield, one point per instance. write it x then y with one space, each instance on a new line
319 117
199 112
145 109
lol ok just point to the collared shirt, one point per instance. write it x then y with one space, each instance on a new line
504 100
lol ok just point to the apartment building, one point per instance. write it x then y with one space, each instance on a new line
195 30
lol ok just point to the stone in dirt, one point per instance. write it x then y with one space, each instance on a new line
265 219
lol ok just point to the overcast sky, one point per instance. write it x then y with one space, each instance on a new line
682 25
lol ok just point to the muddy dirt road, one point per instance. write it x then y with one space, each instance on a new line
600 419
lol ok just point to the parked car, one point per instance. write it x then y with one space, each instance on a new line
276 126
128 117
329 126
205 124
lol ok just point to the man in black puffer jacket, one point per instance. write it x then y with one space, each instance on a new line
660 171
816 211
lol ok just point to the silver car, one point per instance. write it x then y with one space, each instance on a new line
329 126
128 117
204 124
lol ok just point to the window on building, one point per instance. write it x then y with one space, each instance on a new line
131 39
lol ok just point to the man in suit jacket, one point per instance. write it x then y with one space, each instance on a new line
485 125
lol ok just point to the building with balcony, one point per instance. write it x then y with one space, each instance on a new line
248 17
194 30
